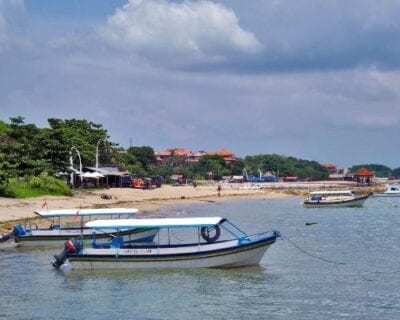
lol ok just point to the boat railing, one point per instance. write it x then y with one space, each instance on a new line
228 226
259 236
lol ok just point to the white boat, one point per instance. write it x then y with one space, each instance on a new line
216 243
338 198
391 191
60 229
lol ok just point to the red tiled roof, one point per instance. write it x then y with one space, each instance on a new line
364 172
329 165
224 153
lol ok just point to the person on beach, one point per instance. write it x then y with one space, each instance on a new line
219 189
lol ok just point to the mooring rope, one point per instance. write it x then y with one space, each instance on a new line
310 254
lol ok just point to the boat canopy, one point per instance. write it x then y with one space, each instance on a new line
155 223
86 212
337 192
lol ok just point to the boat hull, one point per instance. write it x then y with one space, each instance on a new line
230 257
386 194
358 202
55 237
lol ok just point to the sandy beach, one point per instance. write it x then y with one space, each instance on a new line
13 210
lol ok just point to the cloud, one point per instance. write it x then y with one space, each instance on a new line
321 35
162 30
299 95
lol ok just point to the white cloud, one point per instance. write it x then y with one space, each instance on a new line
342 114
158 28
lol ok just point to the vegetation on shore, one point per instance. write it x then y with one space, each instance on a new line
287 166
31 156
34 186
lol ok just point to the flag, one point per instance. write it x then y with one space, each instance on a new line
45 206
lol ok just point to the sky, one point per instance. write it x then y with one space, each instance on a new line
314 79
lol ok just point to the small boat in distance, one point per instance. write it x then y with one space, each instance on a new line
67 223
338 198
214 242
391 191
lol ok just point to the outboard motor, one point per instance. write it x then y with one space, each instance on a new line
8 236
71 246
16 231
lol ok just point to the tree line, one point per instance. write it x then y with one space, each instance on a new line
28 151
380 171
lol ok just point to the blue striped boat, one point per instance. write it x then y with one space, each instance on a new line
218 244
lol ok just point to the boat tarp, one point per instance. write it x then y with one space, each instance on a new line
86 212
155 223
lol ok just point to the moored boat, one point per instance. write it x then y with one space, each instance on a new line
391 191
67 223
216 243
338 198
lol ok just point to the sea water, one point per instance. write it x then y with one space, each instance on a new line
345 266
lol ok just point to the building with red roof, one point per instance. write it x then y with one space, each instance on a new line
228 155
331 167
179 154
363 176
188 156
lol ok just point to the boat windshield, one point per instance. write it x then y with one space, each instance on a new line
185 230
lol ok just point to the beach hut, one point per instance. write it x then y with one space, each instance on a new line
109 176
363 176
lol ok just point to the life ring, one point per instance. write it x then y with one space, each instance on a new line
205 233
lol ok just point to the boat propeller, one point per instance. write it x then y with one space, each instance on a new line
70 246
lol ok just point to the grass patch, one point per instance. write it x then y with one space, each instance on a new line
35 187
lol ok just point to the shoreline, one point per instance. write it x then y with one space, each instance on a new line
14 211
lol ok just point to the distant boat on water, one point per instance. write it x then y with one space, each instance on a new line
391 191
338 198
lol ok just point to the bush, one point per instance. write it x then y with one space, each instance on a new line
35 186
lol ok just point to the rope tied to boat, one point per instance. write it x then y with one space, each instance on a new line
308 253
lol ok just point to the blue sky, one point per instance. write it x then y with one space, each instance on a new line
313 79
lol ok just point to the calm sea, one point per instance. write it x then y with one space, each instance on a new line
289 284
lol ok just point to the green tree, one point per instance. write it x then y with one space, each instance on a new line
145 155
213 163
285 166
396 173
